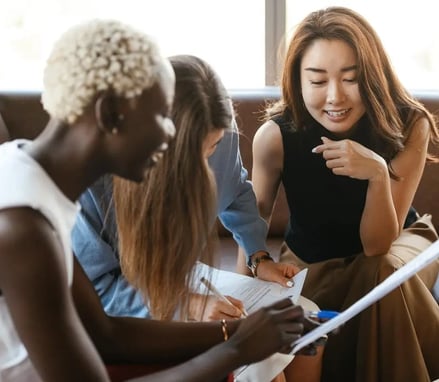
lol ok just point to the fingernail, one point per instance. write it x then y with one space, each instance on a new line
314 150
290 284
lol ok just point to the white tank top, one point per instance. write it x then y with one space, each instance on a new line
25 183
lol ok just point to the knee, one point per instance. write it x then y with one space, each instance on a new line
380 267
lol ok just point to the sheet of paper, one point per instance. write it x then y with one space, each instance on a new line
266 370
254 293
263 371
389 284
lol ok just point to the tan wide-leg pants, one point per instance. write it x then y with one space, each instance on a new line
396 339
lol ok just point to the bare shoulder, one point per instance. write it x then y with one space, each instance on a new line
20 223
419 133
28 245
269 132
267 145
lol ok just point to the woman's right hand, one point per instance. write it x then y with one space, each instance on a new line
269 330
352 159
210 308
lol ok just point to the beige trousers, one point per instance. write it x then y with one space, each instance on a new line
396 339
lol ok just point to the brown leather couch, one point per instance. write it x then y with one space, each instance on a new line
249 105
25 118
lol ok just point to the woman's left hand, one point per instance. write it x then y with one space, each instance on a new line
280 273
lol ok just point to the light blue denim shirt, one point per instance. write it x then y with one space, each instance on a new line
94 237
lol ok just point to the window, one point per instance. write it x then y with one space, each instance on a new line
240 38
408 31
229 34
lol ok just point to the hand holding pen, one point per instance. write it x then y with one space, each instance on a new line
313 319
236 304
321 316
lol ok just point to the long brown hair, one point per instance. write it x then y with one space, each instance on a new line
391 110
166 223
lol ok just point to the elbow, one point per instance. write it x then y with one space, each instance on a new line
378 247
379 243
376 250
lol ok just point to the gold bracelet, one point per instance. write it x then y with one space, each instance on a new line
224 329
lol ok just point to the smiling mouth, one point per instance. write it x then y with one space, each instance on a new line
339 113
157 155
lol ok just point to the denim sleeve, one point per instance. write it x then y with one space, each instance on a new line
237 208
94 243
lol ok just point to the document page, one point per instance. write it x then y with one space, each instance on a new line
254 293
389 284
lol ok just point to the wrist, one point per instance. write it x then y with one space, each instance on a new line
232 326
382 174
256 259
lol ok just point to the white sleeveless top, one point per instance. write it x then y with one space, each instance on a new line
25 183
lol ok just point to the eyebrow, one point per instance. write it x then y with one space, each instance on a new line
343 70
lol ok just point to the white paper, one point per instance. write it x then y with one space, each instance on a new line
389 284
263 371
255 294
266 370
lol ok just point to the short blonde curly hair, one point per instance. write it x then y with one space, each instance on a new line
93 57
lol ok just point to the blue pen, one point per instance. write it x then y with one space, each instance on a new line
322 315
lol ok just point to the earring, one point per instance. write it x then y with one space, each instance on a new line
120 118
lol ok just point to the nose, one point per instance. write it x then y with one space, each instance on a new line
335 93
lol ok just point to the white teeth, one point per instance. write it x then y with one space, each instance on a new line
163 146
169 126
337 113
156 156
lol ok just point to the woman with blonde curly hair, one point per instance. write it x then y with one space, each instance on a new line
109 94
349 144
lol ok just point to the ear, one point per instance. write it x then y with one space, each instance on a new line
106 113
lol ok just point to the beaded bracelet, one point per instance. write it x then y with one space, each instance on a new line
224 329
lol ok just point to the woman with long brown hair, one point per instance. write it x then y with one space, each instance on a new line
349 144
166 223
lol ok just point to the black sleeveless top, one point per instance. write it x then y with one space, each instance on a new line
325 209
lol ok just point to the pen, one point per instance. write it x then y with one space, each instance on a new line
218 294
323 315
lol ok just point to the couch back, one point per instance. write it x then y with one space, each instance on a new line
249 106
24 117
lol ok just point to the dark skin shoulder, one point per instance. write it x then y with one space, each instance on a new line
33 280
